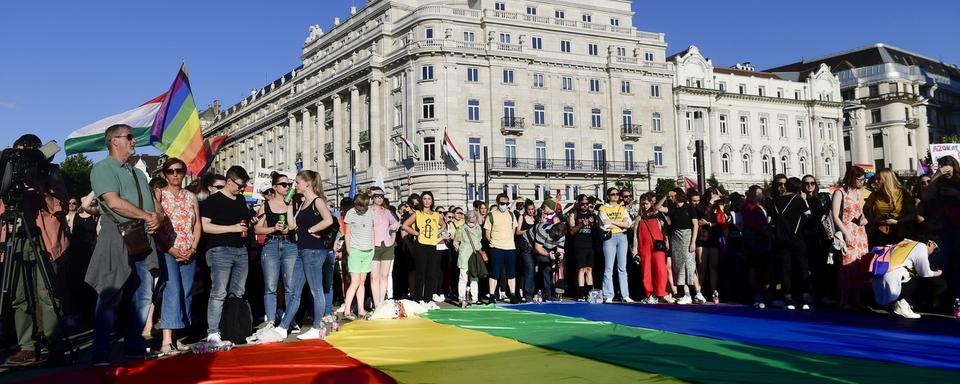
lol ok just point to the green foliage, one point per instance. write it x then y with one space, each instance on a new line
713 182
76 174
952 138
664 186
624 185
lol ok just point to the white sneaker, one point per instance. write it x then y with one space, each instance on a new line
685 300
699 299
668 299
437 298
902 308
312 334
791 307
275 335
608 300
256 336
805 307
214 338
627 300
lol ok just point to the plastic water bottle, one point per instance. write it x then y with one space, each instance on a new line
537 298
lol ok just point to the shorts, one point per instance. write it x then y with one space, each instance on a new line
359 260
583 255
384 253
503 258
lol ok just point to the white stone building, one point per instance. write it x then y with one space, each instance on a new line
896 103
755 124
544 85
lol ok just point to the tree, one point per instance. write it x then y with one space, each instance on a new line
624 185
713 182
76 174
949 139
664 186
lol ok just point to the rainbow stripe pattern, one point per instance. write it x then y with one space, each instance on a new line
176 129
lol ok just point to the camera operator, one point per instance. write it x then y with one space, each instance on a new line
125 200
43 206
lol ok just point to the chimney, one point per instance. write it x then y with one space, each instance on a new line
336 21
353 10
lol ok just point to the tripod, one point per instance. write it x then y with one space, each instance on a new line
15 268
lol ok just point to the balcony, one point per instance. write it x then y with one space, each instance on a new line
562 166
913 123
511 126
365 138
328 149
631 132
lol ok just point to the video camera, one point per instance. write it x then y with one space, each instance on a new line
20 167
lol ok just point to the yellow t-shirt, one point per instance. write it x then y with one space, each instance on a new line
614 213
502 227
428 224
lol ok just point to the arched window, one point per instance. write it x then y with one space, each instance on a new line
766 164
746 163
829 166
725 163
803 165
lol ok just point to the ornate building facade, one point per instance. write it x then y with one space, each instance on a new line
555 93
755 124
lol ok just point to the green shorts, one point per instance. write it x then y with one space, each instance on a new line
384 253
359 261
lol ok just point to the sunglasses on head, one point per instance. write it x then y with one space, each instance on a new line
171 171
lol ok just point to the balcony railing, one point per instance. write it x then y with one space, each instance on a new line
631 131
364 137
563 165
511 125
913 123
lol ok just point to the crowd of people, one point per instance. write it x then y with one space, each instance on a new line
162 250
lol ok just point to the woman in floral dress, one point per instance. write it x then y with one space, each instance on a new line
849 220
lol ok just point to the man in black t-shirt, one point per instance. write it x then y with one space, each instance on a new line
225 218
789 248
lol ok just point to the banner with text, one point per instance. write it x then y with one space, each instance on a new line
262 181
940 150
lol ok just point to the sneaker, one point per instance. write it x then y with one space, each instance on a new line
214 338
667 299
312 334
649 300
716 297
699 299
805 307
627 300
902 308
791 307
21 358
295 329
275 335
437 298
759 305
685 300
608 300
256 335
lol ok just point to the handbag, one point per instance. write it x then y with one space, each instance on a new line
658 245
133 232
476 266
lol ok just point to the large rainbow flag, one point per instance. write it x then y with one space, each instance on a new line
176 129
582 343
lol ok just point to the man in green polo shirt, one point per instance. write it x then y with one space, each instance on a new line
124 195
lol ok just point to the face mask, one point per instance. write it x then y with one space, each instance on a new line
504 207
471 225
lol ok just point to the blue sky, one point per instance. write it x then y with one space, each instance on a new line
64 64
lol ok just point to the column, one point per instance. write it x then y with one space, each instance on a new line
858 137
354 125
337 132
308 148
922 133
320 129
377 131
714 134
291 162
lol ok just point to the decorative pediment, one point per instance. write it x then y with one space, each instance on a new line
765 150
746 149
726 148
784 151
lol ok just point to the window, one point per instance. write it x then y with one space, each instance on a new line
910 140
469 37
587 18
567 83
473 74
429 148
695 160
625 87
725 163
784 164
655 125
598 156
800 129
570 155
509 110
628 157
505 38
595 118
723 124
761 91
782 127
830 131
741 88
500 6
508 76
654 90
594 85
803 165
426 72
531 10
537 42
688 120
565 46
474 148
779 92
648 56
539 114
746 163
658 156
510 152
538 80
568 116
398 115
593 49
428 32
875 116
628 119
874 90
796 94
621 52
829 166
722 86
763 126
560 14
427 108
878 140
766 164
473 110
615 22
541 154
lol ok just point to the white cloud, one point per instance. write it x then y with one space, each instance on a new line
7 105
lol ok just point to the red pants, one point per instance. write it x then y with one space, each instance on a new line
654 267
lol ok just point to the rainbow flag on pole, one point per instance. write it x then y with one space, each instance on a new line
869 170
176 130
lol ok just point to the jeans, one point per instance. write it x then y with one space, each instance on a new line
139 287
526 252
615 250
309 269
177 291
277 256
546 269
228 273
329 262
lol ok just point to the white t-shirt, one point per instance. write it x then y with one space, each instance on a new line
887 289
361 229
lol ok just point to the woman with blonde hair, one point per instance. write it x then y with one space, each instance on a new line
889 208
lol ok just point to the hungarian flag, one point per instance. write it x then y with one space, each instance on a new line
90 138
451 150
412 147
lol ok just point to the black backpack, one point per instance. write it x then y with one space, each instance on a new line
784 231
236 323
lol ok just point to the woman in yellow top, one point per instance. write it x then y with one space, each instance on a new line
888 208
615 220
426 261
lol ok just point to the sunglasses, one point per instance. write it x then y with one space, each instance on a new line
614 194
72 203
128 136
809 183
171 171
627 196
285 185
378 196
218 187
239 184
